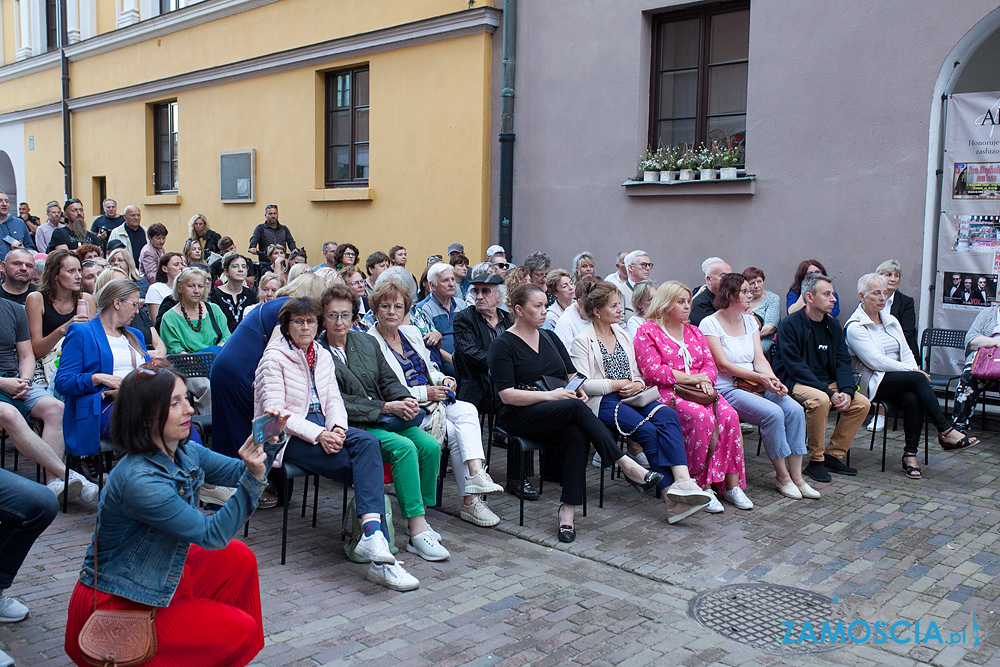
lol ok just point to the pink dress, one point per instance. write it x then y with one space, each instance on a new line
658 356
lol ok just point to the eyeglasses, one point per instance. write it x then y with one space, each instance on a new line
355 283
501 265
747 292
398 307
134 304
645 265
299 322
333 317
150 369
485 291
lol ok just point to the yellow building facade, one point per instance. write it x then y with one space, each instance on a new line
365 122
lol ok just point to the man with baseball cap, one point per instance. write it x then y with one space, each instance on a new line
455 249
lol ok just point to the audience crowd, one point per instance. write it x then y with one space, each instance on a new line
375 375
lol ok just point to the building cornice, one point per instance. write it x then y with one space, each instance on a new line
448 26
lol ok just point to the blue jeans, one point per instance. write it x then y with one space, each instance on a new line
26 510
359 462
660 437
781 419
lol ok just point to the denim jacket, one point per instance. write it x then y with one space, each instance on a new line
149 516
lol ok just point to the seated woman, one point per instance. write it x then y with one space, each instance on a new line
519 358
574 320
297 374
642 296
234 295
734 339
669 351
378 402
898 304
121 258
141 320
270 283
583 265
150 254
793 300
167 270
200 232
404 351
202 583
346 254
604 353
55 306
193 253
431 336
278 261
765 305
890 373
559 284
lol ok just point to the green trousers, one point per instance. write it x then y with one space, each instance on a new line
415 457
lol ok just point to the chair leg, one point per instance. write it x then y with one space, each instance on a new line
926 451
315 498
520 476
65 481
760 441
885 435
600 500
289 483
246 528
343 515
305 495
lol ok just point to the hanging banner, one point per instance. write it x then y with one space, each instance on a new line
968 268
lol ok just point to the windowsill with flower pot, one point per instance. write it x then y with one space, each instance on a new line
743 184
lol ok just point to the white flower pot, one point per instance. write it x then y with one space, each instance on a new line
708 174
728 172
668 175
687 175
650 176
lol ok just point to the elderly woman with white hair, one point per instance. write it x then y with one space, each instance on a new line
890 373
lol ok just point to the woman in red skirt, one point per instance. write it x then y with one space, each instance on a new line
155 548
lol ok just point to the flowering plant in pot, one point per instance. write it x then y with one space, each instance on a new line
650 167
687 162
728 157
667 159
705 157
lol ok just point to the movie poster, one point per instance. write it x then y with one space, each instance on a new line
976 180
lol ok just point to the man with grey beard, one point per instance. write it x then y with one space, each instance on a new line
75 233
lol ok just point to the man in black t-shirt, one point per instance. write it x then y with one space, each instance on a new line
812 359
703 304
103 224
17 268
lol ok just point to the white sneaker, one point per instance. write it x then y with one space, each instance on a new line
481 484
479 513
6 660
392 576
427 547
89 493
876 424
375 548
736 496
12 611
596 461
641 459
746 428
58 486
688 492
216 495
714 506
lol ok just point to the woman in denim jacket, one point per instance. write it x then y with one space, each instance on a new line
156 549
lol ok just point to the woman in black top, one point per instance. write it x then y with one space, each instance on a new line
520 357
233 296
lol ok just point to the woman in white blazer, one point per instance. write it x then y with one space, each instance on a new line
603 352
890 373
403 347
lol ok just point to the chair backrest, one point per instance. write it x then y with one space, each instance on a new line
931 338
196 365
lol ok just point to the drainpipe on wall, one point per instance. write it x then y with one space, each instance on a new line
61 34
506 136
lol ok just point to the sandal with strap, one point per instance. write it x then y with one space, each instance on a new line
912 472
964 443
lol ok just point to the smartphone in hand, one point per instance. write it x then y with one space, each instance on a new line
576 381
265 428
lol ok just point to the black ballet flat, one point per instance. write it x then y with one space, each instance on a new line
649 482
567 533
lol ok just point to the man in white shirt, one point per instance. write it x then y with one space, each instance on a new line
637 267
44 232
619 277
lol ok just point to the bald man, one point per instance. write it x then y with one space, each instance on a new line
704 304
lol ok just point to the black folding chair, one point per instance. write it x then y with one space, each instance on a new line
196 365
946 338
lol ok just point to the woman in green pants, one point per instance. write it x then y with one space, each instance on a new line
377 401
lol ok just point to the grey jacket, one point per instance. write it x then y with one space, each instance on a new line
366 380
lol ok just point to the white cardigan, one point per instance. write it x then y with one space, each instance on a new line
416 340
866 349
586 355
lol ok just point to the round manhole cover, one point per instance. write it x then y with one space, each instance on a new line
765 616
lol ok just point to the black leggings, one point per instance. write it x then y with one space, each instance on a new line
911 391
570 423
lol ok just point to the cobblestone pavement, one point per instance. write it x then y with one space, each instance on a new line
891 548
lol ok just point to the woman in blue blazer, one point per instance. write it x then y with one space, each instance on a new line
96 355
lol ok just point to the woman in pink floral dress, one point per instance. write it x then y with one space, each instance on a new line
669 351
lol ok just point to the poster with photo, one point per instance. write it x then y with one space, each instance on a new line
975 233
969 291
976 180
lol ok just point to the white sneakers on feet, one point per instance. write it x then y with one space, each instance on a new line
11 610
392 576
58 486
375 548
736 496
479 513
6 660
89 493
687 491
876 424
714 506
216 495
427 546
481 484
641 459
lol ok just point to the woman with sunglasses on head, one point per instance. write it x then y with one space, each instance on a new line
202 585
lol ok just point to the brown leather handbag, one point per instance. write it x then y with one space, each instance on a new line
694 394
752 386
117 637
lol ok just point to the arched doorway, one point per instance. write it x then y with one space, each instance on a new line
970 66
8 180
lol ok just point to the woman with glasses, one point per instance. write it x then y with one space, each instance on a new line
890 373
734 339
297 374
346 254
234 295
122 258
142 321
202 584
194 324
